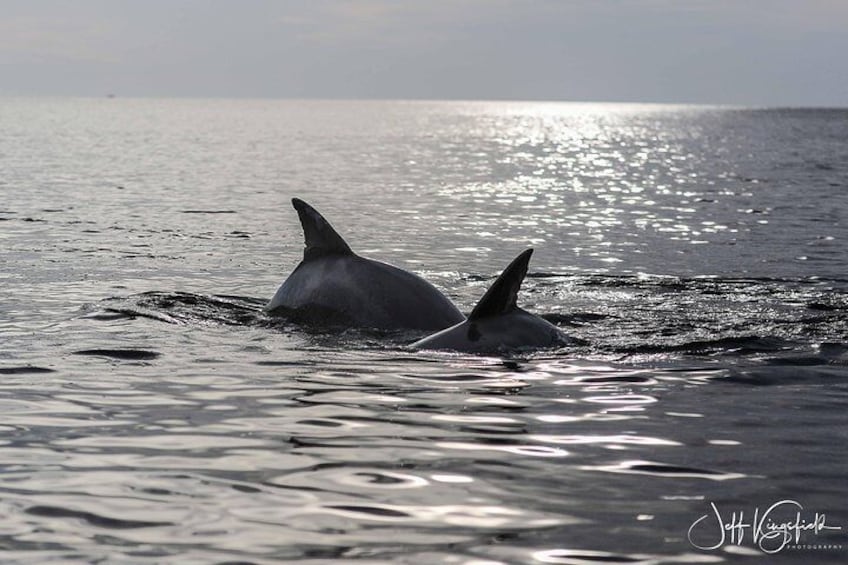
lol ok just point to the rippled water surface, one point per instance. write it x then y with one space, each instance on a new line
151 412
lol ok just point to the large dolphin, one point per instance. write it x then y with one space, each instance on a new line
335 286
497 324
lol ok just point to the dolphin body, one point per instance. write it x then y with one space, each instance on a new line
497 324
333 286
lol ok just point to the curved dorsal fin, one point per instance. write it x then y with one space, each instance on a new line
321 238
502 295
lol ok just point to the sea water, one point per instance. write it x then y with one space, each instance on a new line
150 412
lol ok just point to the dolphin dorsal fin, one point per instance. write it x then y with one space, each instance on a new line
502 295
321 238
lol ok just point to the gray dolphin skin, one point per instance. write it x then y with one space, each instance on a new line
333 286
497 324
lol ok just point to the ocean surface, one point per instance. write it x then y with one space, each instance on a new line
150 412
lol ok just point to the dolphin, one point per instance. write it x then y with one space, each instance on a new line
335 286
497 324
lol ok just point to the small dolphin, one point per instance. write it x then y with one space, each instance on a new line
335 286
497 324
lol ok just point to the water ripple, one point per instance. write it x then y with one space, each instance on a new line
666 470
152 413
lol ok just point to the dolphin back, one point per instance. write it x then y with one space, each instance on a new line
502 296
497 324
349 290
335 286
321 238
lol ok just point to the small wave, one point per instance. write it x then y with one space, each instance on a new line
665 470
371 511
826 306
573 319
109 314
776 373
740 345
208 212
183 308
693 283
584 557
123 354
24 370
92 518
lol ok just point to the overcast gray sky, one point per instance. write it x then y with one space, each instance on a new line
752 52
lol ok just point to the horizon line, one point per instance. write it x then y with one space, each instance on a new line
723 105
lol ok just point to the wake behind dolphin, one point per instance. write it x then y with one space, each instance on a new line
497 324
335 286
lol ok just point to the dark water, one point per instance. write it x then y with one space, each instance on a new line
152 413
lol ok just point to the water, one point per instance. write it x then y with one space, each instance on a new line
152 413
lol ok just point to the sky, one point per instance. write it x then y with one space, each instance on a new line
741 52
